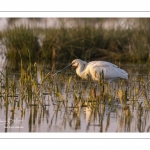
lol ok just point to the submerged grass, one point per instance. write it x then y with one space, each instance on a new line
71 97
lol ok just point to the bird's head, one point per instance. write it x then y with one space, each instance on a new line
75 63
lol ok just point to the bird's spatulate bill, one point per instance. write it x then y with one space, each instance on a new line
62 69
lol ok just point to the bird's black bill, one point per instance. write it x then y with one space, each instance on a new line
62 69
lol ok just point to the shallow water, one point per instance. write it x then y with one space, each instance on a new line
73 109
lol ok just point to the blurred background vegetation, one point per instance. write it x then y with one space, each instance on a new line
119 40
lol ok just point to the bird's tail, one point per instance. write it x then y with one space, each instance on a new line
124 74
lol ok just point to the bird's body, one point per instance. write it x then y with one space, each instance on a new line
95 68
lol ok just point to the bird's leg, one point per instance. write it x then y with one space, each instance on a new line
94 92
94 88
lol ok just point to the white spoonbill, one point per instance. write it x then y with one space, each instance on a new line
95 68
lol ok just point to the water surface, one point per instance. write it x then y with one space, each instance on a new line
66 104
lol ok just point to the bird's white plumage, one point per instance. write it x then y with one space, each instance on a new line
95 68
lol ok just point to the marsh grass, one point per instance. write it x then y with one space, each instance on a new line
85 40
70 97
